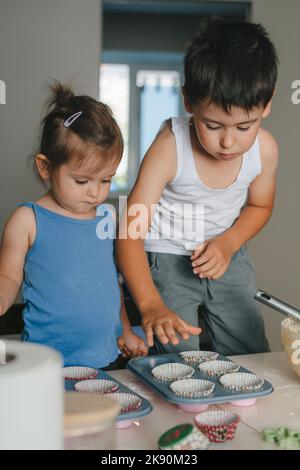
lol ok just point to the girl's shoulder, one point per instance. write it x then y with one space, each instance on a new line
22 222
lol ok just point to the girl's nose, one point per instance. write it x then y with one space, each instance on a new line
227 140
93 190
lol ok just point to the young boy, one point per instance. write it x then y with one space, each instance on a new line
221 160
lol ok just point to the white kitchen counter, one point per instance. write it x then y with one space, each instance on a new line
281 408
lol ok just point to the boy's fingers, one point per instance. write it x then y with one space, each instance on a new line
149 335
171 333
198 250
160 333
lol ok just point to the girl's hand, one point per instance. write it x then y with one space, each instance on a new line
211 259
164 323
132 345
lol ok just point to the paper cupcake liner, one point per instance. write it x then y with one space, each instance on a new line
192 388
241 382
127 401
217 425
196 357
101 386
79 373
172 371
218 368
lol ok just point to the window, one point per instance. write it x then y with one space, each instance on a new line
142 91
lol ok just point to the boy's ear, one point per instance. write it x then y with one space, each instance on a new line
43 166
187 104
267 109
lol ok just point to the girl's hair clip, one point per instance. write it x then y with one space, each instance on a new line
72 118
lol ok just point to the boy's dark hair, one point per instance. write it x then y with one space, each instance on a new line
230 63
95 129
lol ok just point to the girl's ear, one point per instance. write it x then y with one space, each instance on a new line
43 166
187 105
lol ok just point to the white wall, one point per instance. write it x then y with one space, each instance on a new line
276 250
39 40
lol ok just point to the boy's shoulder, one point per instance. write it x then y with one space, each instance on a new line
269 151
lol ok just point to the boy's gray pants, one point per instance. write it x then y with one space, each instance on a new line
232 319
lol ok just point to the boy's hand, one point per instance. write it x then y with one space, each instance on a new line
132 345
165 323
212 258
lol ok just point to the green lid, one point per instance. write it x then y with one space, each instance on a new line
175 435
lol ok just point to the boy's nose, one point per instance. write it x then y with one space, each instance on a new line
227 140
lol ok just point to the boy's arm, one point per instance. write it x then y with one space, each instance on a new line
13 249
214 256
157 169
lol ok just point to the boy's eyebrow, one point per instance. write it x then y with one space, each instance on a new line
217 122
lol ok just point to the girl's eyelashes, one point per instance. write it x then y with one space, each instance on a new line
81 181
86 181
243 128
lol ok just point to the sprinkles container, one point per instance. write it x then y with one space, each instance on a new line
101 386
218 425
192 388
172 371
242 382
218 368
196 357
79 373
183 437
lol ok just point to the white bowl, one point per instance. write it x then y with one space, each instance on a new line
218 368
290 338
172 371
192 388
241 382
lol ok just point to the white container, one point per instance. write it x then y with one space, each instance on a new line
31 397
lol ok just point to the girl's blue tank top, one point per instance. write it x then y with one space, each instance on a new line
70 288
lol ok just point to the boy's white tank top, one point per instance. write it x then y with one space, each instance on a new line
188 211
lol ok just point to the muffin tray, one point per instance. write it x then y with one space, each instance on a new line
124 419
142 367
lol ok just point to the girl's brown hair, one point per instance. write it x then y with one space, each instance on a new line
94 130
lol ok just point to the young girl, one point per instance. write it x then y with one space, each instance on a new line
53 247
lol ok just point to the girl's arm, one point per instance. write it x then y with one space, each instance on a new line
129 343
13 249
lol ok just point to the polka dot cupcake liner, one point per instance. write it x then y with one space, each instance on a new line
241 382
192 388
218 425
172 371
184 436
100 386
79 373
196 357
127 401
218 368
